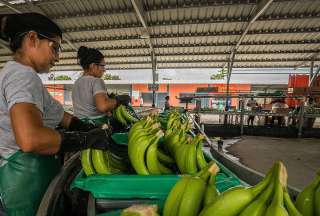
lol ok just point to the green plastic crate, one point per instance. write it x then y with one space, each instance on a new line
120 138
153 187
126 186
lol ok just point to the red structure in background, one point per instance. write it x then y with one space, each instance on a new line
300 83
57 92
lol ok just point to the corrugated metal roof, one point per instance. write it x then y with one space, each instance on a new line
184 33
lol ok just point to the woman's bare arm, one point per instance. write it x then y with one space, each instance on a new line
29 131
103 103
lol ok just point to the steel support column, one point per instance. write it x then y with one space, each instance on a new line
314 77
301 119
153 59
311 71
230 65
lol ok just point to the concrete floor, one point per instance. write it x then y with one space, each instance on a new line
300 156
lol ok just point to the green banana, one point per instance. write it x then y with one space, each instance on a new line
192 197
317 201
259 206
171 140
152 158
119 116
115 162
233 201
292 210
129 118
153 129
201 161
277 207
209 170
164 157
164 169
191 159
137 152
86 162
172 203
99 162
143 123
305 200
211 193
180 157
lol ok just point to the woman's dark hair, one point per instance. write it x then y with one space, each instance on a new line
167 98
88 56
14 27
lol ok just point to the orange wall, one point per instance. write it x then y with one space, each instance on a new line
142 88
176 89
57 92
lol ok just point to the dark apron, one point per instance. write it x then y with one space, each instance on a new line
24 180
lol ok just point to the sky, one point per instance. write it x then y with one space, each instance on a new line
201 75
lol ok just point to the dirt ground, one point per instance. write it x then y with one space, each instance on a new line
301 156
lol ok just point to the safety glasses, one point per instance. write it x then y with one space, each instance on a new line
101 66
53 44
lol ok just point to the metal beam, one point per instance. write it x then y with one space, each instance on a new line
314 78
195 54
216 3
204 45
4 44
124 54
248 43
311 71
312 57
199 34
37 9
182 61
141 14
211 20
10 6
289 67
260 8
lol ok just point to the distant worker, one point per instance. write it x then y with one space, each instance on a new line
277 107
252 105
166 103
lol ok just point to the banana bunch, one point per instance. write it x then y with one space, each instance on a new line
268 198
96 161
186 151
188 194
308 201
144 154
122 115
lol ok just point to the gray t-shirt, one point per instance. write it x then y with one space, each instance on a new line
84 90
21 84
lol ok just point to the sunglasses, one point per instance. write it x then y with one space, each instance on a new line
52 43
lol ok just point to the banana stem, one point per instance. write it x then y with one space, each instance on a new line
263 184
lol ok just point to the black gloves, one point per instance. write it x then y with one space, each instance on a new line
75 141
111 95
78 125
123 99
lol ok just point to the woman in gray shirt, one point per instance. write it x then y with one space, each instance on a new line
29 115
89 95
